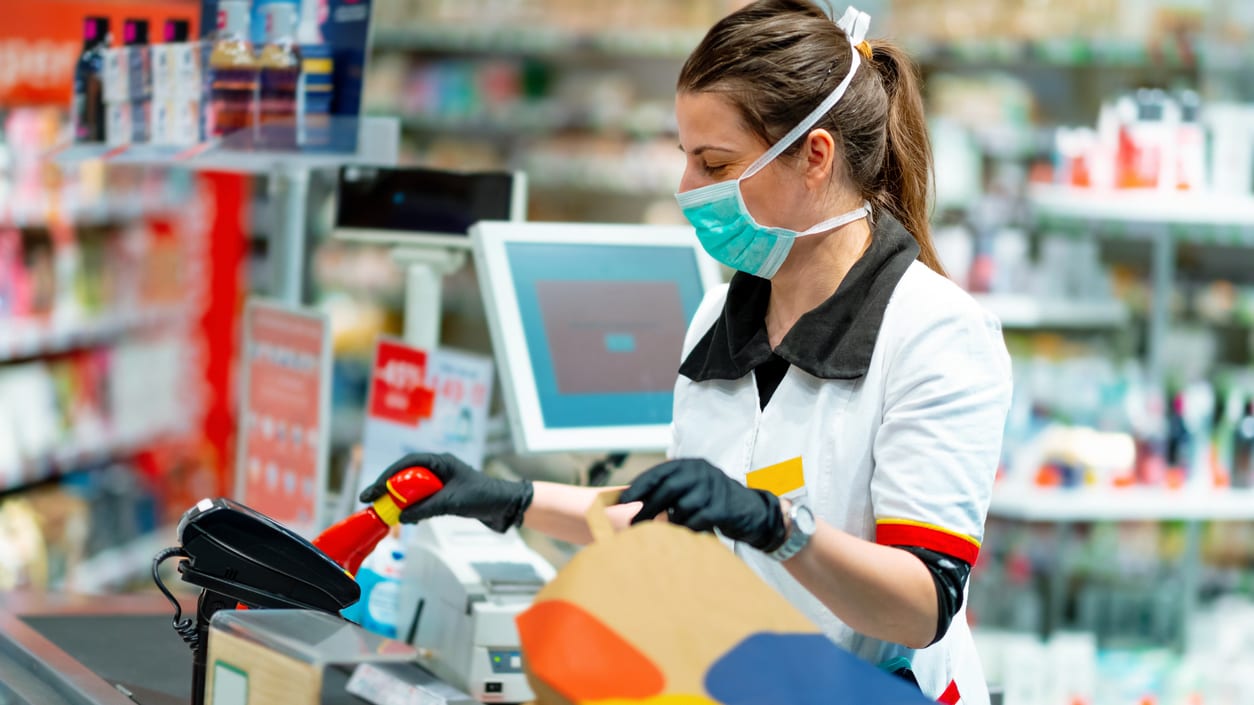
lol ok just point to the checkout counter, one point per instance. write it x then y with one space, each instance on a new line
78 650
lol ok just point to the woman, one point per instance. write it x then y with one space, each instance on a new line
839 408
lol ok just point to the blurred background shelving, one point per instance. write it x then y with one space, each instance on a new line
1123 511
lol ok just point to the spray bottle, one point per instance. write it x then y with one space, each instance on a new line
350 541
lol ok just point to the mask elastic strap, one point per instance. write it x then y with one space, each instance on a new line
836 222
855 25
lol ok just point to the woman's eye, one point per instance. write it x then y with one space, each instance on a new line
713 170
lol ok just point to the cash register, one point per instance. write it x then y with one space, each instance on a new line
463 587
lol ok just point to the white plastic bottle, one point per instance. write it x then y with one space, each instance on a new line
380 580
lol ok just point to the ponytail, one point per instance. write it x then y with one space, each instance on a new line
907 172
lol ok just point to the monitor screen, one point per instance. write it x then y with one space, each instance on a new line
588 324
401 205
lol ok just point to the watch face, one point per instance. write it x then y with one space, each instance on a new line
804 519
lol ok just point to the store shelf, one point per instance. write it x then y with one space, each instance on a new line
378 144
1027 312
114 567
34 215
1222 219
20 339
1067 52
1130 504
73 456
599 185
529 122
537 41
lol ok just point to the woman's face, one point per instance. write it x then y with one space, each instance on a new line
719 148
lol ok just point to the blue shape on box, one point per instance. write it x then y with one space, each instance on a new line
620 342
803 669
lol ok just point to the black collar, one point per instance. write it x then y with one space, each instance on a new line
833 341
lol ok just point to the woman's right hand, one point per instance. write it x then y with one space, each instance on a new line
499 504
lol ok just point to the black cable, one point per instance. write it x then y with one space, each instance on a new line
185 628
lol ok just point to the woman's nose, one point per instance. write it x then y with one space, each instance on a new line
689 181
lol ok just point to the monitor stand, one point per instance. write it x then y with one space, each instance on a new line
425 269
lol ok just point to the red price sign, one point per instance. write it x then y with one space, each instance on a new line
398 390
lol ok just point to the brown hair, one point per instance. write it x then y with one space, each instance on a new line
777 59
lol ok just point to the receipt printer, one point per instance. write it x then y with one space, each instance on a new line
464 585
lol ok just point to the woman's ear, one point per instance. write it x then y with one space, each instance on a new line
820 159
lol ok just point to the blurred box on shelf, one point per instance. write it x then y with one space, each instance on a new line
119 124
176 121
129 122
117 83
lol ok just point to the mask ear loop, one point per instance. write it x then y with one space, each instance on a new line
855 25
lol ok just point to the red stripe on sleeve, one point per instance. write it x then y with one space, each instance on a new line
951 696
892 534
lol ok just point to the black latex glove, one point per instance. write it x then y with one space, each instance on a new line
701 497
499 504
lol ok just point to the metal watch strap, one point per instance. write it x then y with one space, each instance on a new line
797 538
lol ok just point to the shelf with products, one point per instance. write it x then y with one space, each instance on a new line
1063 51
83 408
27 214
1021 311
530 121
1225 218
114 567
75 455
377 143
24 339
1083 505
650 168
673 44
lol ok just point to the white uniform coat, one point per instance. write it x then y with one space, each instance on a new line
899 432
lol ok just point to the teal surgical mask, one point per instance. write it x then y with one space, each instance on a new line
727 230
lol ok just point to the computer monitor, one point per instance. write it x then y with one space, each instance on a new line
413 206
587 324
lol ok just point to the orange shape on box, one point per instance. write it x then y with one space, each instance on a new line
668 699
581 658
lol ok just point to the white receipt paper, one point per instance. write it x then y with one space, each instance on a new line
378 687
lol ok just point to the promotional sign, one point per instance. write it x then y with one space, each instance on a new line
285 417
424 401
40 42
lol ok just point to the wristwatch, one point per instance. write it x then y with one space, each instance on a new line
801 527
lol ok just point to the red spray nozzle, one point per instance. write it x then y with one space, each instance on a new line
350 541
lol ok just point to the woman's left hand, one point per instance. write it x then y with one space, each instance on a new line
695 494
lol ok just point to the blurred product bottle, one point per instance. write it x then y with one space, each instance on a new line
1223 436
1179 437
1243 448
139 69
1191 144
233 72
88 111
1199 417
175 31
280 66
317 81
380 581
